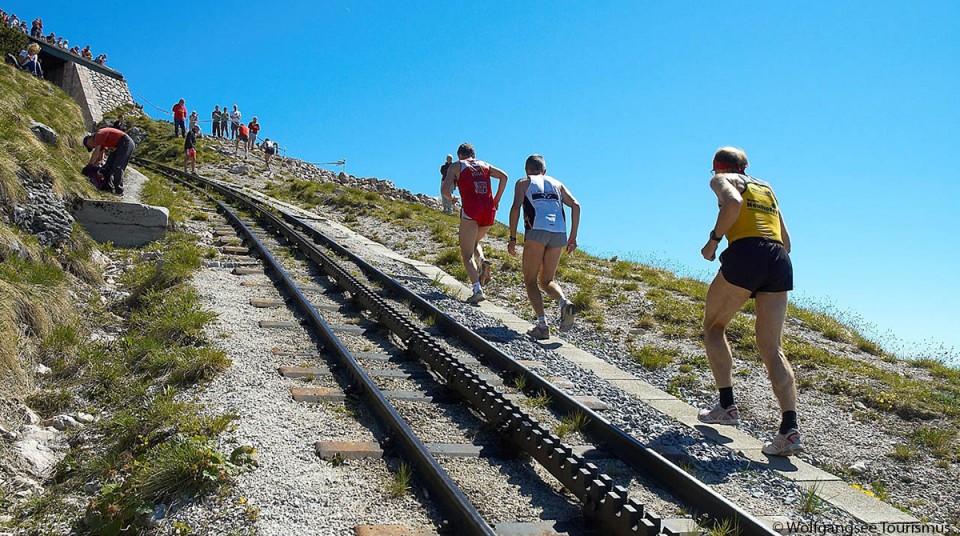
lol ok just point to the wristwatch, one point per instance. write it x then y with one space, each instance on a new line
714 237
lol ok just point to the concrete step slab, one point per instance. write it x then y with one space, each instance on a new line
124 224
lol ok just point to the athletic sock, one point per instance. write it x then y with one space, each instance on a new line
542 320
726 397
476 287
789 421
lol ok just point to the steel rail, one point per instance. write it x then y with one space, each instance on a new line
604 503
464 515
627 448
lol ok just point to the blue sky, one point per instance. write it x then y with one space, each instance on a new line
850 110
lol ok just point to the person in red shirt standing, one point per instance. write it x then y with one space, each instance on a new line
254 128
179 116
472 178
122 145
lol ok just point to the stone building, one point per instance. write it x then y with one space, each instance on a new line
96 88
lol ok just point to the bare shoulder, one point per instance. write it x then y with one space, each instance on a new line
721 180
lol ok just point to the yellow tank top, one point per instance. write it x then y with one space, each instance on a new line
759 213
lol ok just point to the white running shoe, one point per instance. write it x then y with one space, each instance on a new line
477 297
568 313
539 332
784 444
720 415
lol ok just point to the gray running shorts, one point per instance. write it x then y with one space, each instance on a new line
548 239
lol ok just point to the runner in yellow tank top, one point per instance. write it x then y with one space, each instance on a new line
756 264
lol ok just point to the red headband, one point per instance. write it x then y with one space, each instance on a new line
723 167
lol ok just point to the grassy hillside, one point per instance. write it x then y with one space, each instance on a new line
34 280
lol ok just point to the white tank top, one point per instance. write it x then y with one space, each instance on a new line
543 205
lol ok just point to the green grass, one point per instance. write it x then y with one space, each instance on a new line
811 502
149 446
653 357
540 401
940 442
901 453
399 485
571 423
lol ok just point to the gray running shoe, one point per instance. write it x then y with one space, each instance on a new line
486 272
784 444
477 297
568 313
539 332
720 415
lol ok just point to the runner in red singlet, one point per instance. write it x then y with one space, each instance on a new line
472 178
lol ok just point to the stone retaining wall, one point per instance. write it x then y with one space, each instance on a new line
96 93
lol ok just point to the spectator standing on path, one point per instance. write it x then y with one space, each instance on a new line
243 133
479 210
122 145
235 121
215 119
179 116
190 149
224 119
447 205
194 119
269 149
545 235
254 128
756 264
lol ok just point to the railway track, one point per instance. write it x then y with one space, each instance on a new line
473 371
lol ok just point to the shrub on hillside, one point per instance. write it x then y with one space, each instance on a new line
12 41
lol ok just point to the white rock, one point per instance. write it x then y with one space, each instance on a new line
62 422
859 467
7 434
43 370
85 418
39 449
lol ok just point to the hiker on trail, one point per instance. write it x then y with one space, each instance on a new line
190 150
242 134
194 119
179 116
235 117
447 205
122 145
545 236
224 119
756 264
254 127
472 178
215 116
269 149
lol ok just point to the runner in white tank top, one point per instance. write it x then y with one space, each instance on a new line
543 205
542 198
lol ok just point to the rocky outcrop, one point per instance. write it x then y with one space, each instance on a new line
44 213
307 171
44 133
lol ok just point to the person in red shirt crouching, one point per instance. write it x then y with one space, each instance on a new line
122 145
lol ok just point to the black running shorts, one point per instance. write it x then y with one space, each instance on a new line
758 265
